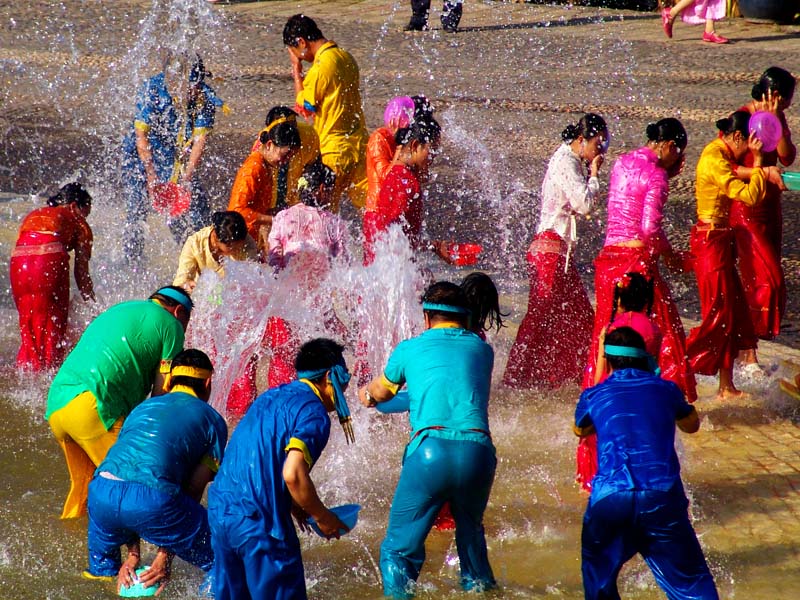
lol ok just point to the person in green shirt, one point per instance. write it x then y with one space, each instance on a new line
121 358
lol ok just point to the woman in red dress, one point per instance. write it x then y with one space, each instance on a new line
40 274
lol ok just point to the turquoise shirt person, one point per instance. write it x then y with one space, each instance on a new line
117 359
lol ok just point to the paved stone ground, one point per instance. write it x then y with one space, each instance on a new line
505 86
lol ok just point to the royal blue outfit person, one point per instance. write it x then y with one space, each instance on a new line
449 458
170 131
638 504
137 490
255 542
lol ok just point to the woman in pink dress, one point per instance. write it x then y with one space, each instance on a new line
557 300
697 12
635 239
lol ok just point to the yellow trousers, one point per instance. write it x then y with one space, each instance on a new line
351 179
85 442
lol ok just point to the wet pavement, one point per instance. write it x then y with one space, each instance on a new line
505 86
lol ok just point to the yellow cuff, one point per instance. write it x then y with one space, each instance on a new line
197 131
141 126
582 431
391 386
298 444
210 462
165 366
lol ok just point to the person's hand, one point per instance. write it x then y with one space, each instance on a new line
773 175
755 145
597 162
362 397
440 249
301 517
330 525
769 102
189 285
159 571
297 64
127 572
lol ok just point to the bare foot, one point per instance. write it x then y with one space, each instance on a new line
731 393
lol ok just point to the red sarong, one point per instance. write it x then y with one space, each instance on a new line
725 328
553 339
757 231
40 285
283 344
610 266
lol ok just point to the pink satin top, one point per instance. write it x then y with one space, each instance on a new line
637 192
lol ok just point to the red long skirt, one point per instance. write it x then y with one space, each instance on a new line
553 339
40 285
284 344
610 266
725 328
757 231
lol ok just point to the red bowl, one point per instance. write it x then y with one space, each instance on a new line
464 254
171 199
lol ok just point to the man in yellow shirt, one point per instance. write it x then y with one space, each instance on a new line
329 96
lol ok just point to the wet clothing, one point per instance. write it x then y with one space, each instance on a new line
170 130
115 361
637 502
251 195
39 274
380 154
399 201
196 257
137 489
450 456
306 229
255 543
331 94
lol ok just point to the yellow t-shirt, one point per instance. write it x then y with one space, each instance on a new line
717 187
331 92
196 256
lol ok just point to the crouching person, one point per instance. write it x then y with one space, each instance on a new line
637 503
150 484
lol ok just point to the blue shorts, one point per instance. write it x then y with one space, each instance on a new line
122 511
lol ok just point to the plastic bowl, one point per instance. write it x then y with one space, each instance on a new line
792 180
347 513
464 254
171 199
137 590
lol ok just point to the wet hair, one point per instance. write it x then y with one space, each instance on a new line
319 353
484 302
170 302
191 357
229 226
635 293
667 130
198 72
315 174
72 192
300 26
589 126
444 292
399 112
774 79
283 133
738 121
422 107
628 337
424 131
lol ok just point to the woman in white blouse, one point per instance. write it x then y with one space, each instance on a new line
553 339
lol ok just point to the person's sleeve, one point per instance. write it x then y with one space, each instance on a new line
583 418
582 194
656 194
172 341
747 192
188 267
145 101
204 122
217 439
380 158
310 434
681 408
243 194
394 375
275 241
310 97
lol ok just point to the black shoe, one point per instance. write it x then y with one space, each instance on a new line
416 26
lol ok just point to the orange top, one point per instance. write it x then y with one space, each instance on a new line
251 195
66 224
380 153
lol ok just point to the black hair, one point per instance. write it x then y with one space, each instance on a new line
300 26
635 293
169 302
198 72
282 135
444 292
229 226
276 112
315 174
319 353
589 126
738 121
625 336
667 130
774 79
191 357
72 192
484 302
422 107
424 131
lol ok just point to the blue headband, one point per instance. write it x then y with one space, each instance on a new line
629 352
340 377
181 298
449 308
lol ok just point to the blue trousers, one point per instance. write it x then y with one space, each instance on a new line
438 471
654 524
250 564
122 511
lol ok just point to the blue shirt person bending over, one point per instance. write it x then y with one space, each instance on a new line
150 484
265 480
637 502
175 112
450 457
